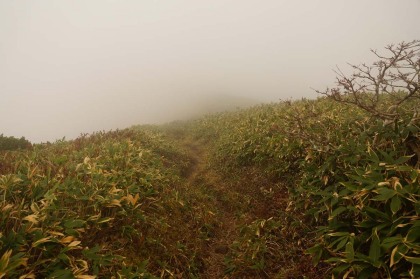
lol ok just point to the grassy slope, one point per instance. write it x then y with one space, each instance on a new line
227 194
323 175
106 204
258 152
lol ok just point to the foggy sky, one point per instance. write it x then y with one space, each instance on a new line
69 67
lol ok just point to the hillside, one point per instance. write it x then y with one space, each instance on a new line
300 189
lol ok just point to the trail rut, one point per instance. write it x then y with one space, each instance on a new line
201 176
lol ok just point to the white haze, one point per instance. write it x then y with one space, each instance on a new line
70 67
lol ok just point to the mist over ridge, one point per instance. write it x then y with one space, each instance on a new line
77 67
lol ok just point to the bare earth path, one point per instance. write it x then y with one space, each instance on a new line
201 176
231 209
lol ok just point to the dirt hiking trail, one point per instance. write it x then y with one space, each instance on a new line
201 176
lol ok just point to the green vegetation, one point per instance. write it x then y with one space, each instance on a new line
303 189
102 205
12 143
351 181
267 188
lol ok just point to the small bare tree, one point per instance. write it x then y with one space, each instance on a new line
396 74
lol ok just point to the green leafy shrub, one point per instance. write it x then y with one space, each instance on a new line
12 143
350 163
351 178
365 191
367 203
96 207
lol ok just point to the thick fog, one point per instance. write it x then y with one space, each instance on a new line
69 67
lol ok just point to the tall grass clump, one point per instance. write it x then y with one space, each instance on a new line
101 206
350 164
351 182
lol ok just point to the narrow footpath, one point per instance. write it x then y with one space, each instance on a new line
230 204
202 177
